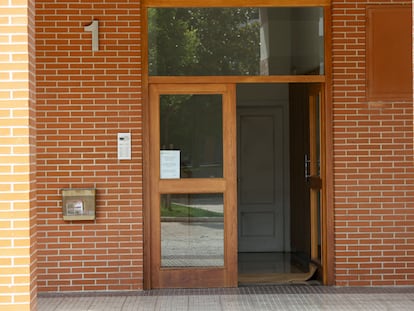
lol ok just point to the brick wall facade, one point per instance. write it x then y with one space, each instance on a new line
373 165
18 274
84 99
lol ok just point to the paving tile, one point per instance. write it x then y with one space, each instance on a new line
203 302
139 303
172 303
49 304
255 298
107 303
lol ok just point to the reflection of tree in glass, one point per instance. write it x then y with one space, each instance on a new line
189 123
172 44
173 108
214 41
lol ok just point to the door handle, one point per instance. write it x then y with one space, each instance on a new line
307 167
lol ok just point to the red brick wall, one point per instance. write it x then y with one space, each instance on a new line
373 165
84 99
18 286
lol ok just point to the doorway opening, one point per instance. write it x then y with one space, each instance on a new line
229 184
279 185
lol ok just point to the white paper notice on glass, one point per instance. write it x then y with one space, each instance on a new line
170 164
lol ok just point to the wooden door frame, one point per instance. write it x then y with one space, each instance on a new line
326 121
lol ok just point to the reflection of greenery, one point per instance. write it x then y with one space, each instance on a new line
192 124
213 41
172 37
177 210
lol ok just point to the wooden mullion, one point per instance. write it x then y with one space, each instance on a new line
234 3
230 175
328 244
237 79
192 185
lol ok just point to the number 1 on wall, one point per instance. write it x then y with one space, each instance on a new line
94 28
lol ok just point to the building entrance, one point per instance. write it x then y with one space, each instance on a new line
278 182
217 226
227 140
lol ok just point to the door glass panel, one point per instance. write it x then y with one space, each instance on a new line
191 125
235 41
192 230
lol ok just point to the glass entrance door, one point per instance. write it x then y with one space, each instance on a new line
193 178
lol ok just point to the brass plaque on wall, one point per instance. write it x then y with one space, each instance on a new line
78 204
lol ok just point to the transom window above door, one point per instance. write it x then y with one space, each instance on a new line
236 41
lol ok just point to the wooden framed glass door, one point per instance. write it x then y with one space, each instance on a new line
193 185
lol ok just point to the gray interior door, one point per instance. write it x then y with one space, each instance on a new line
261 179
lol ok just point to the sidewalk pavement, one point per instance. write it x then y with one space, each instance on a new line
253 298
